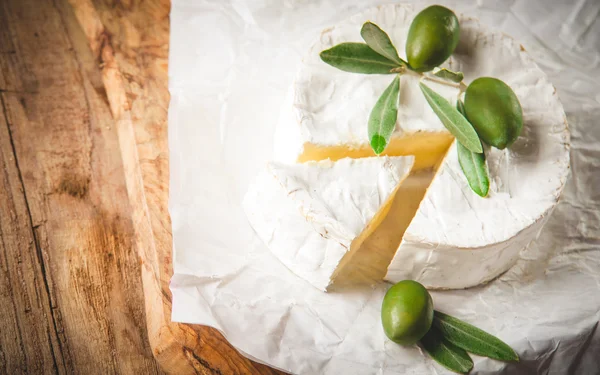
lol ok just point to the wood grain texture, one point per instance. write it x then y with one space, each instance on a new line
70 288
130 41
28 338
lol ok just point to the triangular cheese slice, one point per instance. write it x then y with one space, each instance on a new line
315 216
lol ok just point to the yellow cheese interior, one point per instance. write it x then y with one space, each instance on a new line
427 147
371 252
375 248
379 217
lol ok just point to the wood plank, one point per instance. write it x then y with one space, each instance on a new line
28 340
66 149
131 41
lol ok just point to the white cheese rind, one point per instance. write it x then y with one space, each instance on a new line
310 214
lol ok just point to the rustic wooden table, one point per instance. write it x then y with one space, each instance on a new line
85 240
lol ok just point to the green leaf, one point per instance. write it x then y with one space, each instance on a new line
475 170
473 164
472 339
456 123
445 353
382 120
449 75
380 42
357 58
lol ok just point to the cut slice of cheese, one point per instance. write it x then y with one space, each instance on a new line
369 264
315 216
456 239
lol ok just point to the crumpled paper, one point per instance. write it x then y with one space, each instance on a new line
231 63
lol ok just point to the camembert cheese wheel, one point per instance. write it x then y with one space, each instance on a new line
455 239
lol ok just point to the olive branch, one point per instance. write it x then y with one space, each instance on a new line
378 55
408 317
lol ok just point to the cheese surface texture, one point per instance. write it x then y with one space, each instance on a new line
456 238
315 216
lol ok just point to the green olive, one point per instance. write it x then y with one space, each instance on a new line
432 37
406 312
494 111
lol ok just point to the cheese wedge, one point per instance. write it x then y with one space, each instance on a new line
315 216
456 239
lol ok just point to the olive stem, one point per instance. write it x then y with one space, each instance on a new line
460 86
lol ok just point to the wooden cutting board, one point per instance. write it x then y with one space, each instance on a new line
130 40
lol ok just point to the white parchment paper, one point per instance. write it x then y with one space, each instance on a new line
231 63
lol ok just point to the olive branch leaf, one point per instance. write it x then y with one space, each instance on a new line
449 340
382 120
446 353
380 42
473 164
472 339
358 58
456 123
